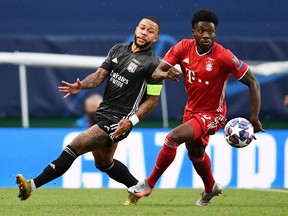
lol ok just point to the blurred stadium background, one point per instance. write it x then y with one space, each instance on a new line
254 31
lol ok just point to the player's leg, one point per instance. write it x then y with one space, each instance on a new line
166 156
202 165
84 142
201 160
104 156
115 169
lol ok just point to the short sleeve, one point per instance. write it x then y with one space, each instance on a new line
107 62
236 67
173 56
151 68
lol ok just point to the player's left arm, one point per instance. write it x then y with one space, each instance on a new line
144 110
147 106
255 99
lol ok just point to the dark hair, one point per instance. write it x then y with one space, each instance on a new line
204 15
153 19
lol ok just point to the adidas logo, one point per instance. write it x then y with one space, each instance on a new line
115 60
53 166
186 60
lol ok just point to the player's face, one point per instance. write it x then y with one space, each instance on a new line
204 34
146 33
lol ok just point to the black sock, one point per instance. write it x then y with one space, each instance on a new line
120 173
56 168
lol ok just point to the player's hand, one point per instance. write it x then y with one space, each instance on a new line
124 126
257 126
70 88
173 74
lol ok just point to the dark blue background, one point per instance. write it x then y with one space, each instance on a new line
243 18
253 30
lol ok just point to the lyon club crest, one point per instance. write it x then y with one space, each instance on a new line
133 66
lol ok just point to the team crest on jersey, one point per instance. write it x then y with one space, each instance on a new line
133 66
209 64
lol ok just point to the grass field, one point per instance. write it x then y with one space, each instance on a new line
81 202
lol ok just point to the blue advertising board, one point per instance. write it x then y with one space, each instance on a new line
262 164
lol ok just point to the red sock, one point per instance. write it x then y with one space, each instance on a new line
165 157
203 168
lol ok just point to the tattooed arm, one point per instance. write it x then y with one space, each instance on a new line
91 81
145 108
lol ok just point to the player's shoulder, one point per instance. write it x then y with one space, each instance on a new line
149 56
185 45
120 46
221 51
187 42
152 59
219 48
154 56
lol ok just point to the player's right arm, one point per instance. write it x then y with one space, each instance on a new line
91 81
166 71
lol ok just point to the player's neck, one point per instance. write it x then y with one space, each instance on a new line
136 48
202 51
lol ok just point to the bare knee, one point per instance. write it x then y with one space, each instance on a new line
104 157
176 136
181 134
195 149
104 164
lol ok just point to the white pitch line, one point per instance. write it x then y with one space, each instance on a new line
274 190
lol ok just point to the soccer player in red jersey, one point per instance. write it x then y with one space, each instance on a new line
206 66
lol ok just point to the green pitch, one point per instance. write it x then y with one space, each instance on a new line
82 202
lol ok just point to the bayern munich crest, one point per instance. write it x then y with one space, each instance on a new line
209 64
209 67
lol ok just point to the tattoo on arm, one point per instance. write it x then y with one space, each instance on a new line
95 79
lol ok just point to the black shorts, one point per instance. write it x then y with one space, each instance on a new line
109 124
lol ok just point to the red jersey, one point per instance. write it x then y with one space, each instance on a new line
205 75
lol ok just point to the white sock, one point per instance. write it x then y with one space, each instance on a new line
33 186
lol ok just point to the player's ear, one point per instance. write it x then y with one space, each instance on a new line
156 38
193 32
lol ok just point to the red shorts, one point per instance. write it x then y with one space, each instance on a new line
204 125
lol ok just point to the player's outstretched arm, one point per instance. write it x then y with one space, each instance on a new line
91 81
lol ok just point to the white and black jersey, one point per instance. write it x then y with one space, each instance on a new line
129 74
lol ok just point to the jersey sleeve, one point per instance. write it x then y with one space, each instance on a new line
173 56
107 62
151 68
236 67
154 87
